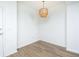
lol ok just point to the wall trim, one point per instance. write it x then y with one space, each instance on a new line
53 43
73 51
12 52
30 42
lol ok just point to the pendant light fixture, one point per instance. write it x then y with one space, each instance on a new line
43 12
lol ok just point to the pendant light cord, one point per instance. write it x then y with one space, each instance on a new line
43 4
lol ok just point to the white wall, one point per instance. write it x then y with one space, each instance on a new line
1 32
53 29
73 26
27 23
9 27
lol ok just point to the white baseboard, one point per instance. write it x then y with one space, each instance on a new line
73 51
53 43
30 42
12 52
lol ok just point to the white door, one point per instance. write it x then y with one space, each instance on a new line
1 40
73 27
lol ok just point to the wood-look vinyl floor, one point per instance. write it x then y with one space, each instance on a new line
43 49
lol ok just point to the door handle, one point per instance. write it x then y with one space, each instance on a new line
1 33
0 28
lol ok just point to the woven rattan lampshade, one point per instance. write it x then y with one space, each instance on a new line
43 12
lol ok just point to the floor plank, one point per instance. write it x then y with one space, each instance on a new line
43 49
